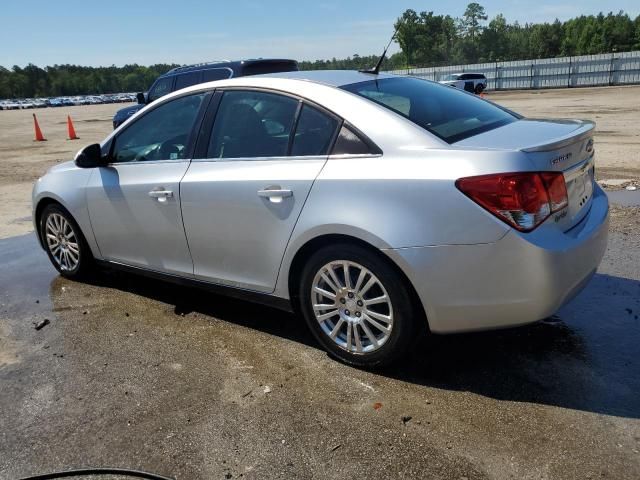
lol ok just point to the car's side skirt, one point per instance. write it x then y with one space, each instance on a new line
239 293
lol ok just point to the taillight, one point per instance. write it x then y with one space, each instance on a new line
557 190
523 200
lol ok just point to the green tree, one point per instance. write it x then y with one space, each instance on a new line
470 21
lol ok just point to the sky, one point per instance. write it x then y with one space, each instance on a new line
117 32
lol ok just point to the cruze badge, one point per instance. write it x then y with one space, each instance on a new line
561 158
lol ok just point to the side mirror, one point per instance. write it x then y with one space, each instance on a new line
90 157
141 98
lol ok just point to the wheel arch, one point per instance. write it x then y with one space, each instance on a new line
311 246
43 203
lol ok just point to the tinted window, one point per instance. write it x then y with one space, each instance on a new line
348 143
161 88
314 132
187 79
161 134
258 68
252 124
448 113
215 74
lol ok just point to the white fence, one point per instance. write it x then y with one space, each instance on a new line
584 71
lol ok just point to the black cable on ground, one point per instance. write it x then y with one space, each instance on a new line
98 471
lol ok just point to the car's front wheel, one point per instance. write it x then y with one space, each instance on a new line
64 243
358 306
479 89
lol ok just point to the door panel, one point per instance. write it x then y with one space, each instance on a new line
136 217
238 230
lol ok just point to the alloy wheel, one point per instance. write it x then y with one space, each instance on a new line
352 306
62 242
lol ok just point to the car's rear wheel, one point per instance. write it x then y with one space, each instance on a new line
65 245
357 306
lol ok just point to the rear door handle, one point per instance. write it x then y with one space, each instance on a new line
161 195
275 195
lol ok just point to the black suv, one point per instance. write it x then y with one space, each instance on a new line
182 77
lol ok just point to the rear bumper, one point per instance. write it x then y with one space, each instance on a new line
520 279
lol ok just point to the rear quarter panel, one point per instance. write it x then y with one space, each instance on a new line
401 199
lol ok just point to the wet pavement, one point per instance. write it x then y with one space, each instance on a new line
132 372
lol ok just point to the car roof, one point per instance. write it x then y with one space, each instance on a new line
333 78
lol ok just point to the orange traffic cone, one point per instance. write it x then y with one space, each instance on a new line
72 131
39 136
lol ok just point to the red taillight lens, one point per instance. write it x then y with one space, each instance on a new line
557 189
523 200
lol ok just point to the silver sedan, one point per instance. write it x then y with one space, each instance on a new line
379 207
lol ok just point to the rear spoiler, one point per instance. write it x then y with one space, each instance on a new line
584 129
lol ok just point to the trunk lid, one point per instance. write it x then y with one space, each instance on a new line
551 146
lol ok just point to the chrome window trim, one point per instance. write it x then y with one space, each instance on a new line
149 162
262 159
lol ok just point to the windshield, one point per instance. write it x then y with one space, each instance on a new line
448 113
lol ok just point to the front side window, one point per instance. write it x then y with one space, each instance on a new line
160 89
314 133
161 134
252 124
446 112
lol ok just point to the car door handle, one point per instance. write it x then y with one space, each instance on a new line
275 195
161 195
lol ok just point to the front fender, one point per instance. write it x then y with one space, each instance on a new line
65 184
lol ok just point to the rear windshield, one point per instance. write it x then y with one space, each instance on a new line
448 113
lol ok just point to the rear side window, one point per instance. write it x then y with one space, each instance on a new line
349 143
187 79
252 124
215 74
259 68
448 113
314 133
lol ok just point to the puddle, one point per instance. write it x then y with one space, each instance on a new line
625 198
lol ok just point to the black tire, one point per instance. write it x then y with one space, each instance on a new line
479 89
407 319
85 261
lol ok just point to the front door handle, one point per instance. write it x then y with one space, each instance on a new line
161 194
275 194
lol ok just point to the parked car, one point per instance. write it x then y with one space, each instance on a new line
182 77
471 82
378 206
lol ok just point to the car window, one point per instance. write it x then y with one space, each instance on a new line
252 124
161 134
161 88
187 79
349 143
314 132
215 74
446 112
